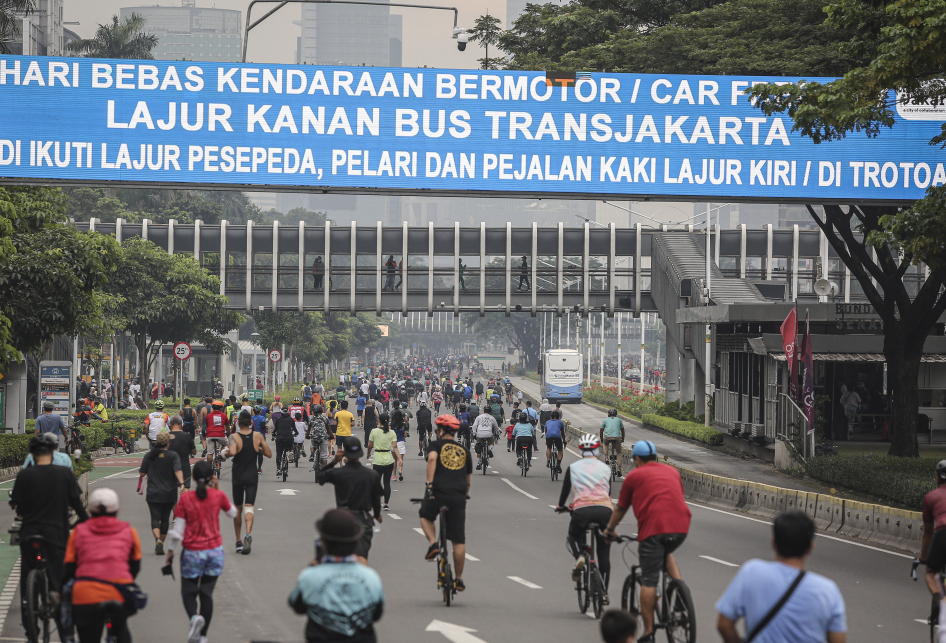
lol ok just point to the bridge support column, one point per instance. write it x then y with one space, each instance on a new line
699 390
673 373
687 377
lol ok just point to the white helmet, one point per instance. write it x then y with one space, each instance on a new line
589 442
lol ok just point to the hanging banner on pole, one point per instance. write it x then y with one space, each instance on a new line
459 132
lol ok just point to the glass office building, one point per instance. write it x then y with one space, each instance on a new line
349 35
189 32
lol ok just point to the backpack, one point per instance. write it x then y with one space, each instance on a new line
497 412
188 416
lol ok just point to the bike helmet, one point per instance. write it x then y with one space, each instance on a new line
612 413
277 398
217 404
296 400
423 404
257 409
317 409
589 442
448 422
159 404
462 407
941 469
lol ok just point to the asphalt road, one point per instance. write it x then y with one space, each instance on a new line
511 532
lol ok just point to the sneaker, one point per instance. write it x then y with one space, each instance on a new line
432 552
400 477
159 547
197 624
259 471
647 638
204 454
420 454
479 466
203 639
508 450
247 544
605 600
385 508
459 585
577 569
312 458
239 547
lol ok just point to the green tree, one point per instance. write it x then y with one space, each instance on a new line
486 31
50 274
10 14
83 204
120 39
519 330
903 61
165 298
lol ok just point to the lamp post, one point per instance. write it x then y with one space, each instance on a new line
255 340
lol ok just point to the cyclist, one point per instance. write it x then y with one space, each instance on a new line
554 434
244 447
449 468
455 398
933 545
298 447
437 399
467 393
508 386
215 430
318 435
424 426
485 429
612 432
297 407
590 479
655 491
109 548
479 391
284 432
156 422
464 418
42 496
524 435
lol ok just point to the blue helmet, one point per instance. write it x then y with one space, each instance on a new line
644 448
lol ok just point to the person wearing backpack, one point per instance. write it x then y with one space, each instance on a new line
189 416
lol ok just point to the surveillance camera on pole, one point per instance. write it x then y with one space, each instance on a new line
461 37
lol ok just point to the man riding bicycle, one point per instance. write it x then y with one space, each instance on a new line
424 426
612 432
485 430
590 479
318 435
449 467
555 434
655 491
465 422
933 544
284 431
216 426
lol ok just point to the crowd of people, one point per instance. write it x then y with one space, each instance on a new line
456 419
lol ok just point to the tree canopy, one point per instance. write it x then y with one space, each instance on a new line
9 21
118 39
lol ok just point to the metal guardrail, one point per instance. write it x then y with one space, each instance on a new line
792 426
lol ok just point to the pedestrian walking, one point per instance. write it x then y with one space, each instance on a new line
462 268
163 469
244 447
383 441
357 488
197 533
779 600
524 274
391 266
341 597
182 443
318 273
102 547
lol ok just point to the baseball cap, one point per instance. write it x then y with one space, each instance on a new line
353 447
103 500
644 448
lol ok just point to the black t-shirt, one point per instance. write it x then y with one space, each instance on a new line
162 483
182 444
454 464
42 495
424 416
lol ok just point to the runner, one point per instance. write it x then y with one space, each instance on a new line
382 441
245 446
163 469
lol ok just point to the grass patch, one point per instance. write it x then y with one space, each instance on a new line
698 432
630 402
902 480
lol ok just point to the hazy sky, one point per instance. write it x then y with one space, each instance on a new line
427 33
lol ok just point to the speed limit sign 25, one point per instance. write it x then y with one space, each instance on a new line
182 350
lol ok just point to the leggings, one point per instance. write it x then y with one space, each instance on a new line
161 515
526 441
204 586
385 471
90 621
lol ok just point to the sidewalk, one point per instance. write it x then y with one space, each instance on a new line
683 453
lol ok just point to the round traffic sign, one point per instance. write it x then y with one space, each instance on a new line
275 355
367 350
182 350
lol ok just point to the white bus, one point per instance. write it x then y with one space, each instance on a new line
561 375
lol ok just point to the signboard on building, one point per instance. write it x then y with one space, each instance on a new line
629 136
55 385
384 329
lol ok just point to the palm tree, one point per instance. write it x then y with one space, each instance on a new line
11 11
120 39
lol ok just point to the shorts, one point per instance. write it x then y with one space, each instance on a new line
221 441
323 448
936 556
557 442
652 551
201 562
455 516
244 494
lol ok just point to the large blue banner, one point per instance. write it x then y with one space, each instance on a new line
447 131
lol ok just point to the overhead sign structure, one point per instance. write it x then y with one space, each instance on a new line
95 121
182 350
275 355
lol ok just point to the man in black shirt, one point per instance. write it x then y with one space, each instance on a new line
42 495
424 424
449 467
357 488
182 443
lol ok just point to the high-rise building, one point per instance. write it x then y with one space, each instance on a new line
514 9
352 35
41 32
190 32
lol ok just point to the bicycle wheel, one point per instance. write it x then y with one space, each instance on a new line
582 587
597 591
553 464
446 580
631 597
285 467
679 616
37 608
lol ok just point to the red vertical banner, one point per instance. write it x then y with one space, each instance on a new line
789 345
808 388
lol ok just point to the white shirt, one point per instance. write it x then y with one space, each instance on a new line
485 426
300 427
365 388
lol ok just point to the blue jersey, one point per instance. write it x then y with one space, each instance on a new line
467 392
361 403
344 597
554 429
399 432
523 430
259 423
464 417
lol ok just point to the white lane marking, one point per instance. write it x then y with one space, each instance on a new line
419 530
113 475
287 492
523 581
473 558
577 455
454 633
721 562
820 535
528 495
394 517
922 620
10 587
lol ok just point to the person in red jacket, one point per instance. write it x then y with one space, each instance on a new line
215 430
106 548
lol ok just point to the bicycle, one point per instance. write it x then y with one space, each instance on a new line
483 443
613 462
425 430
283 465
445 581
524 460
74 440
39 609
296 450
119 439
553 464
317 458
673 611
590 584
933 618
